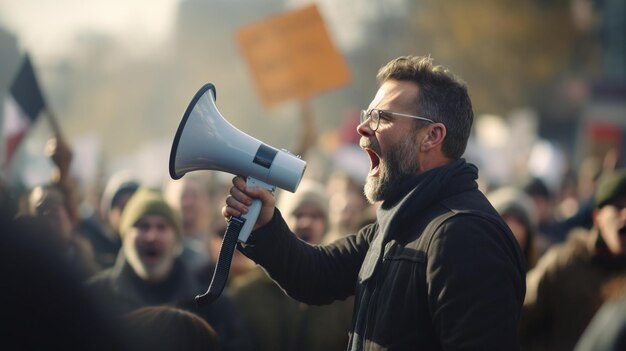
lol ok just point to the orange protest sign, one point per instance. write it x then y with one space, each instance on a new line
291 56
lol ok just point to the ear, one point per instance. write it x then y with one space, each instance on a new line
435 134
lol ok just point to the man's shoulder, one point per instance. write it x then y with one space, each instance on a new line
470 201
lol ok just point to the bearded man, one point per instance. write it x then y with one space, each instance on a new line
149 271
439 269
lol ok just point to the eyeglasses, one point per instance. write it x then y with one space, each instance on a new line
374 117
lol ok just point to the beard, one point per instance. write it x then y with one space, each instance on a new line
154 272
397 164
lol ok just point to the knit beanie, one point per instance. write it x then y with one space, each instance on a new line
512 201
308 192
144 202
119 183
610 188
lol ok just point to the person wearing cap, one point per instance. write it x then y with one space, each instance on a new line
564 290
149 270
278 322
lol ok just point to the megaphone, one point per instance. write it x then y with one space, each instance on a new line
205 140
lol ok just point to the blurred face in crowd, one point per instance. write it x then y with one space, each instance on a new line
115 214
345 210
191 199
392 148
518 229
610 220
151 247
308 222
48 203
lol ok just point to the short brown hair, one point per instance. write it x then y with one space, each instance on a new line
443 97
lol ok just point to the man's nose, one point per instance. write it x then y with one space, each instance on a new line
150 234
364 128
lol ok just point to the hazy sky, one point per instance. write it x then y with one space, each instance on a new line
51 28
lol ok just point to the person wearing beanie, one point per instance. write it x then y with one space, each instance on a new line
278 322
149 271
102 227
150 233
564 290
306 211
519 212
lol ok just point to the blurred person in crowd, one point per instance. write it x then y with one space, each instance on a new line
548 230
277 321
149 270
589 172
517 210
565 287
8 200
47 202
439 269
44 304
239 264
167 328
192 197
349 209
61 155
102 227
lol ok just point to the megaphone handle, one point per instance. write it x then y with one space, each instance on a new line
238 229
220 274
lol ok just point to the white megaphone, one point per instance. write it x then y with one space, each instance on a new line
206 141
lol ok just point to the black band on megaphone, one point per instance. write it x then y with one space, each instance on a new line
222 268
265 156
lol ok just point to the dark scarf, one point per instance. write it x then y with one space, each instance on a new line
414 196
178 288
424 190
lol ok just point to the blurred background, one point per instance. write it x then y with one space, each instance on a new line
547 78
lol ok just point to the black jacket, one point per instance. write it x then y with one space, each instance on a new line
439 270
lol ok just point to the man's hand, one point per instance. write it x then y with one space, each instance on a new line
241 197
61 155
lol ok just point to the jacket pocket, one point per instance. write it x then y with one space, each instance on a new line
399 253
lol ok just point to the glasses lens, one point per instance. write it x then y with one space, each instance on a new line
374 118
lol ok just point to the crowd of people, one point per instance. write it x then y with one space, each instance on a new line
415 256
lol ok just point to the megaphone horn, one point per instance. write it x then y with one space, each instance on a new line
206 141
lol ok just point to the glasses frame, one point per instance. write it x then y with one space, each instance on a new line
374 118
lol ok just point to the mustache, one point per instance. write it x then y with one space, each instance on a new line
368 143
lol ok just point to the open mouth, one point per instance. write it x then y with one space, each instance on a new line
374 162
150 255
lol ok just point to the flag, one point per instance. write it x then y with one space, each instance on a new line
21 108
